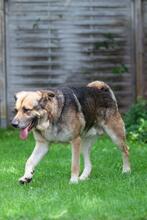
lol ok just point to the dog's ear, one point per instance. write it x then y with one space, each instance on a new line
46 96
15 97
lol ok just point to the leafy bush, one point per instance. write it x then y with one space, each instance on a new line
136 121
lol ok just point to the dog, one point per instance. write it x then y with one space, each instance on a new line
69 114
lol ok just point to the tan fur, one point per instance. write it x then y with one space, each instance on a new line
114 127
54 125
116 124
75 122
98 84
27 99
76 144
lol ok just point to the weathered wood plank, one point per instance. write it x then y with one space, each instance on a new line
139 47
144 11
3 84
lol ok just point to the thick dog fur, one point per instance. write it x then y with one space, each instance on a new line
71 114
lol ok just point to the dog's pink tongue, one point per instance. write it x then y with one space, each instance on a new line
24 133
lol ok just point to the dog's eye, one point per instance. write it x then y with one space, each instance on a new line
15 111
25 110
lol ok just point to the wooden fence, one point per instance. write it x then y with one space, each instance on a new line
45 43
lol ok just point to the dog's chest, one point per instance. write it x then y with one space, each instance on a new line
56 133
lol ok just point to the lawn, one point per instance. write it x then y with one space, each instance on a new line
107 195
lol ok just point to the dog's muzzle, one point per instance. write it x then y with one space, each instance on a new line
15 123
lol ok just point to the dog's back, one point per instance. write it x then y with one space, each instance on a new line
94 101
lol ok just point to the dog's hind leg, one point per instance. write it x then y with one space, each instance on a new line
38 153
87 143
114 127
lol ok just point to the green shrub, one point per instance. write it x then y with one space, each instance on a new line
136 121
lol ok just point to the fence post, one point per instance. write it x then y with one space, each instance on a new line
138 25
3 105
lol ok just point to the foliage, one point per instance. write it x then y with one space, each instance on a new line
136 121
108 43
36 24
119 69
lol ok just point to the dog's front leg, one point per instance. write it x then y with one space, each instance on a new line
38 153
76 143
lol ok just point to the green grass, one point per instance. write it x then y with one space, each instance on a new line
107 195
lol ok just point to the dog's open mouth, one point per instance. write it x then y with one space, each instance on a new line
25 131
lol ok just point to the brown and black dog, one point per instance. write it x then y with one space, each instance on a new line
69 114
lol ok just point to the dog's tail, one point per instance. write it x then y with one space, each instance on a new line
102 85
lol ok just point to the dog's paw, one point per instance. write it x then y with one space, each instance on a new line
24 180
83 177
126 170
73 180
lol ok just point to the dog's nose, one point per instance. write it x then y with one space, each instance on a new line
14 123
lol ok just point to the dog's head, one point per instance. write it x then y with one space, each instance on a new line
33 109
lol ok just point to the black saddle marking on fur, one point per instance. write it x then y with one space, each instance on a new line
93 101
